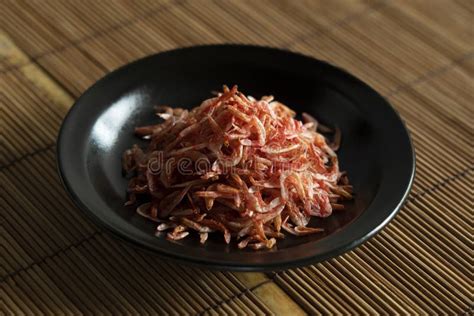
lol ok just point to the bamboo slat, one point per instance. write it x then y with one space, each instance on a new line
41 28
33 111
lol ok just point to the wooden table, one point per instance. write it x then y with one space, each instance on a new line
419 54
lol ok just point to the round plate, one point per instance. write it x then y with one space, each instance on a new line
376 150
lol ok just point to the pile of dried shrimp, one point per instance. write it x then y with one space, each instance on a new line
236 165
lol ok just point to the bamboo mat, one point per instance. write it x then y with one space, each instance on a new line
419 54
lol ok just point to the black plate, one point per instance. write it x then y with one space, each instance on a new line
376 150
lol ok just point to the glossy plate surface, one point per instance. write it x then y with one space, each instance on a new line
376 150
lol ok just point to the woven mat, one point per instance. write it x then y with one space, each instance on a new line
419 54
